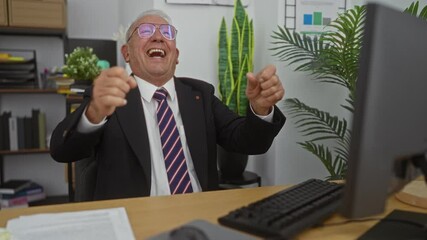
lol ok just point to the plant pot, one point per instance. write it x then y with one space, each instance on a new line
231 164
82 84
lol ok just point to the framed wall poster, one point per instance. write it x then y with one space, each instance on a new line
189 1
312 16
245 3
208 2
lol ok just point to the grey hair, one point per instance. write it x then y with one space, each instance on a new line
151 12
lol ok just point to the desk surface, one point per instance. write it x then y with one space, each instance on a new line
152 215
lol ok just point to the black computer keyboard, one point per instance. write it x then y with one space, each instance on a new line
286 213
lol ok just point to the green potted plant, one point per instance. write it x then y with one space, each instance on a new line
236 51
82 65
331 58
235 59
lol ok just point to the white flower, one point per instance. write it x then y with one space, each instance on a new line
120 35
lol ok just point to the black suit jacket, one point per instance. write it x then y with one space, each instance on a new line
121 146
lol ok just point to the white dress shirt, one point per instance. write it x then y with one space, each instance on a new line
159 178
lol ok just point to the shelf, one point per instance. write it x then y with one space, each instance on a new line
27 90
50 200
23 151
61 33
74 98
71 97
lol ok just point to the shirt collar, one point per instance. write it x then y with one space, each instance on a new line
147 89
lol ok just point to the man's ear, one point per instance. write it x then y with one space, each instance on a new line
177 56
125 52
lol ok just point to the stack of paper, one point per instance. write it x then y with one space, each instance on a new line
104 224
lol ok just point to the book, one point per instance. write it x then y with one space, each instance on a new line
28 141
21 200
1 131
13 133
29 191
14 186
5 133
42 130
15 202
35 128
21 133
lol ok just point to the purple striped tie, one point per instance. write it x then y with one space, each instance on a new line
176 167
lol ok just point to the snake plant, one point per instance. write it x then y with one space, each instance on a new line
235 59
330 58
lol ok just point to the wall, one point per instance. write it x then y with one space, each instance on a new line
96 19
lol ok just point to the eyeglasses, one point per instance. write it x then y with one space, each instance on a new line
147 30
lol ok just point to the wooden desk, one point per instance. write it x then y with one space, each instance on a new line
152 215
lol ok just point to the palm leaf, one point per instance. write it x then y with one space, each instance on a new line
336 166
313 122
296 47
413 10
341 60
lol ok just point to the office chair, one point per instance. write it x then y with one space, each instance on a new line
85 179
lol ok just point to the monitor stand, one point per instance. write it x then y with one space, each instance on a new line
414 193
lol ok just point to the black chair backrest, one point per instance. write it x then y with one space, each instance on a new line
85 179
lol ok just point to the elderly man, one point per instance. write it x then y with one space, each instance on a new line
153 133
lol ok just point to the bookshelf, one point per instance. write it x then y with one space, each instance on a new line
30 24
30 94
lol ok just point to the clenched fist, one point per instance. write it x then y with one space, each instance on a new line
264 90
109 91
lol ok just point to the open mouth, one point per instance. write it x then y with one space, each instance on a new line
156 52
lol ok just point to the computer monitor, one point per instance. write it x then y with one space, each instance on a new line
390 118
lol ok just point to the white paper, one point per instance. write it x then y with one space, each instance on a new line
104 224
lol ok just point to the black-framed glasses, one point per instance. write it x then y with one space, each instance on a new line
146 30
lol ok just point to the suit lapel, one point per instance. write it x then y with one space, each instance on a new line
132 121
191 108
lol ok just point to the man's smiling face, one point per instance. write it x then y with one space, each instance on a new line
154 58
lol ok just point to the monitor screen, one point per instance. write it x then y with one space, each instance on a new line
390 118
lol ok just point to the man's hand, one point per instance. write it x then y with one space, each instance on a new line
109 91
264 90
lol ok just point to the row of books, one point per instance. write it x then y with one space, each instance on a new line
23 132
19 193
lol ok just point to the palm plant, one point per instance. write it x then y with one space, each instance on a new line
413 10
330 58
